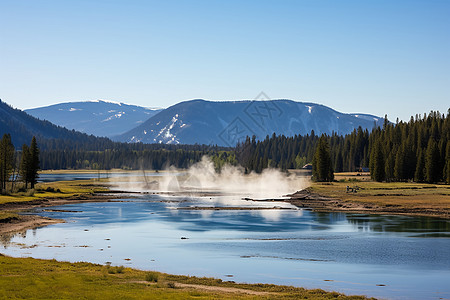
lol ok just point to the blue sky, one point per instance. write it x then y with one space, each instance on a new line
378 57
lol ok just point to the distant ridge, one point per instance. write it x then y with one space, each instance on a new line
97 117
227 122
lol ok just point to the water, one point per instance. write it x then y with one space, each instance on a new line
51 177
383 256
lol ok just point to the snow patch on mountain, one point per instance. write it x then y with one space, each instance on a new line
165 135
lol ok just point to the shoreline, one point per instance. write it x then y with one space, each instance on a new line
317 202
25 222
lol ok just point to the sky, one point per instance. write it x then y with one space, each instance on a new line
377 57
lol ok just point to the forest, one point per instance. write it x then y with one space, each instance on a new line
63 154
417 150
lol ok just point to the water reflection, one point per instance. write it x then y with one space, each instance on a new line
391 223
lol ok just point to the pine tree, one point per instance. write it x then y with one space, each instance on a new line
377 173
419 175
34 162
432 162
389 167
25 165
322 166
447 165
6 160
399 164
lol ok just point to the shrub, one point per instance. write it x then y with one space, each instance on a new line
151 277
115 270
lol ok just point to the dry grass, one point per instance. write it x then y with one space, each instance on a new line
405 194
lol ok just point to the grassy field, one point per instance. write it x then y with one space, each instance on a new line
27 278
60 189
405 194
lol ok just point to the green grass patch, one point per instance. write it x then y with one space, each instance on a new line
59 189
49 279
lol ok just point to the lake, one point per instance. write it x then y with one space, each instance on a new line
384 256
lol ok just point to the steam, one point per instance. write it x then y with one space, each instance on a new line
202 178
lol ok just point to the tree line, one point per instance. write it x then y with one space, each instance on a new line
18 165
106 155
416 150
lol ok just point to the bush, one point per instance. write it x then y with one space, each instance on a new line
115 270
171 285
151 277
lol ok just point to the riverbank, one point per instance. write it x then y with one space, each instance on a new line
28 278
370 197
46 195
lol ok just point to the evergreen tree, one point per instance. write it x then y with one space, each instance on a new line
377 173
6 160
34 162
399 164
432 158
25 165
322 165
389 167
339 164
29 163
419 175
447 165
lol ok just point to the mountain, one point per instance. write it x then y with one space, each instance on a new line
100 118
225 123
23 127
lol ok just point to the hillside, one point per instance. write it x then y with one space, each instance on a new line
23 127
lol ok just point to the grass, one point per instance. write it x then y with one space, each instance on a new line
405 194
60 189
49 279
6 217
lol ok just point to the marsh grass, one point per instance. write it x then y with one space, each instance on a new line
151 277
49 279
405 194
49 190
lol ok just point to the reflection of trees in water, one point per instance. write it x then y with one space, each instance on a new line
328 218
383 223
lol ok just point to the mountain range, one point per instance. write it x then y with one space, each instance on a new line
222 123
227 122
98 117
